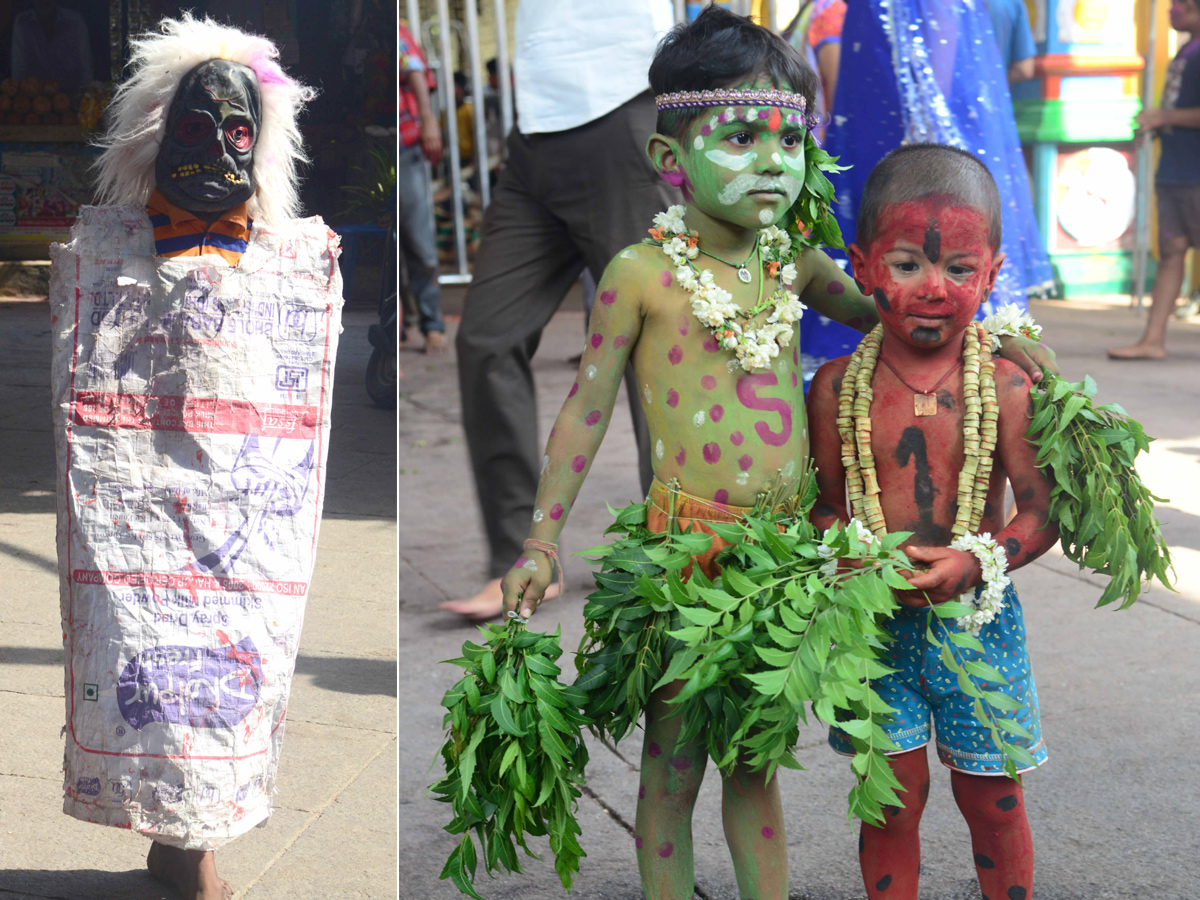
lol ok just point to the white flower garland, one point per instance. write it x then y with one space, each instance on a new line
994 561
1009 320
754 347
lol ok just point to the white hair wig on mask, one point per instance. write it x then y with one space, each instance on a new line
138 114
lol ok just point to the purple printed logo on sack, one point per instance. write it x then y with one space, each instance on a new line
204 687
88 787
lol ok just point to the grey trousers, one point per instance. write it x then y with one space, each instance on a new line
566 200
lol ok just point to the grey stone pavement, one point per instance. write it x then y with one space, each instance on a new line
333 832
1115 812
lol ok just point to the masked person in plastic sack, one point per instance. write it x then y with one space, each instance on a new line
195 328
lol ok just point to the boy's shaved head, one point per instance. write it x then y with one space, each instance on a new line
919 170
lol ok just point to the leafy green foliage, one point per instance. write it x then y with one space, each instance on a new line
812 212
513 754
782 627
1103 510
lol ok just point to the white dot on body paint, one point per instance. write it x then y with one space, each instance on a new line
659 450
628 253
646 393
698 419
766 216
781 365
776 158
590 372
537 515
545 462
789 468
530 565
743 477
698 143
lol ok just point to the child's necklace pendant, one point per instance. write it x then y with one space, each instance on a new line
744 275
925 405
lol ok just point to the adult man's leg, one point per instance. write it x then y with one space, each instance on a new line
526 264
418 243
1178 227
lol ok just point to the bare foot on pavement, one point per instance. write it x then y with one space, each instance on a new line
193 872
435 342
487 604
1138 351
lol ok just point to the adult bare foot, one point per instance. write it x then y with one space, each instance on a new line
1138 351
193 872
435 342
487 604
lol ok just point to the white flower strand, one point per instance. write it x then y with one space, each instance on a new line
713 305
994 561
1009 320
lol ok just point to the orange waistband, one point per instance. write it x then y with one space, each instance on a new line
689 506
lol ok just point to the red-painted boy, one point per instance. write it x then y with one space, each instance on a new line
929 232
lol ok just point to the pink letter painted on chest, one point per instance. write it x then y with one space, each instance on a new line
746 393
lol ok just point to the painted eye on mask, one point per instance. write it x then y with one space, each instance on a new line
192 128
240 134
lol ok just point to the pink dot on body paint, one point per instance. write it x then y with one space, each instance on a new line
681 763
711 345
768 831
675 354
653 750
593 417
836 287
571 392
597 340
672 398
762 113
578 464
746 462
721 496
717 412
680 457
795 356
683 324
556 511
666 849
708 382
664 278
521 560
637 842
736 439
641 792
706 130
795 381
712 452
608 297
620 341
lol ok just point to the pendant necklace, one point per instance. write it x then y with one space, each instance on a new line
743 273
924 402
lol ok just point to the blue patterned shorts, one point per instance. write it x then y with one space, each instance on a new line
922 688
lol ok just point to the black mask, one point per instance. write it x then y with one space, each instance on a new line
206 161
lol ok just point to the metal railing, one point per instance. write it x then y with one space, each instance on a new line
436 35
442 63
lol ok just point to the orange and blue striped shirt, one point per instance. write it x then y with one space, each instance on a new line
178 232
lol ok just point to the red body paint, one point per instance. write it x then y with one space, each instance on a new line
736 438
675 355
717 412
608 298
556 511
597 340
579 463
672 398
620 341
708 382
711 345
593 417
712 453
665 279
571 392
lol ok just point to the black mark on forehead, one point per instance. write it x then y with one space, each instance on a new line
933 241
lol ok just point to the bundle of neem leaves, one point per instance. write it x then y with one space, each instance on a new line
783 626
1103 510
514 754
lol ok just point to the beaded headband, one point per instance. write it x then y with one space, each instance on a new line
735 97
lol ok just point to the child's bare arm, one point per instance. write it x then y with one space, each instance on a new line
1027 536
826 445
824 287
615 325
